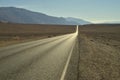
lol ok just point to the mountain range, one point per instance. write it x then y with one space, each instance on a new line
24 16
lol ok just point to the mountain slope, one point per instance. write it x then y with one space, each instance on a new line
19 15
78 21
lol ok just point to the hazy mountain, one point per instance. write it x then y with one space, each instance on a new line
19 15
78 21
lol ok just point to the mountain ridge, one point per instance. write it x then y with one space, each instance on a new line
20 15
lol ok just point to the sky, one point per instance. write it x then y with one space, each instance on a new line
96 11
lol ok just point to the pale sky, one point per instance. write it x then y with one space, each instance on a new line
97 11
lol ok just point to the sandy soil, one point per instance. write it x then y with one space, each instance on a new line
99 53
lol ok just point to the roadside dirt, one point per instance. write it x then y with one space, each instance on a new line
16 40
99 56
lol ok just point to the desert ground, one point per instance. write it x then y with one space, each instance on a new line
17 33
99 47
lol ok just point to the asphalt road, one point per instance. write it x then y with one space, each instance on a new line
45 59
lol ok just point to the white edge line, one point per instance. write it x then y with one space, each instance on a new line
67 63
68 60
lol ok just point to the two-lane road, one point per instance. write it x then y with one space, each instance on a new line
45 59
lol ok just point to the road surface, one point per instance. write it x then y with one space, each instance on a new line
45 59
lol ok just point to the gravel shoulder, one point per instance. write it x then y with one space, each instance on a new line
99 56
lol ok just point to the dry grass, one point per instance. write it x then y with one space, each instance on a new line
34 29
16 33
99 54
